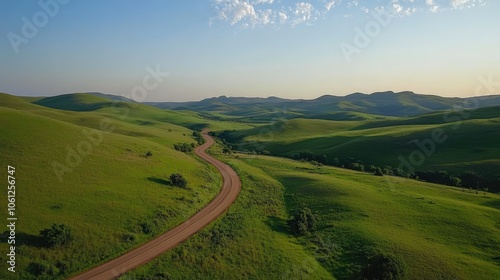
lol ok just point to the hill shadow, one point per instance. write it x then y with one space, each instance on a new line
159 181
23 239
277 224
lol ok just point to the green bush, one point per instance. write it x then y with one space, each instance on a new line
178 181
303 222
56 235
383 267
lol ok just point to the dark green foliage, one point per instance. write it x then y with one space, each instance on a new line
303 222
226 151
178 181
56 235
198 137
183 147
383 267
379 172
149 154
439 177
43 269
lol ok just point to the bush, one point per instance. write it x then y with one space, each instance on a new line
379 172
383 266
148 154
56 235
178 181
183 147
303 222
43 269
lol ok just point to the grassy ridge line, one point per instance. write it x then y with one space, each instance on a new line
113 201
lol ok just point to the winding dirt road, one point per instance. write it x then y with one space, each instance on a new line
143 254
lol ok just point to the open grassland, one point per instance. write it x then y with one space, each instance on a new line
437 231
111 195
471 144
249 242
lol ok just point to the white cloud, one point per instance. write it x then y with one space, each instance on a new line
276 13
461 4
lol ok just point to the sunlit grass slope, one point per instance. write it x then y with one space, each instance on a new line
110 194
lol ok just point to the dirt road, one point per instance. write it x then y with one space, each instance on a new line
141 255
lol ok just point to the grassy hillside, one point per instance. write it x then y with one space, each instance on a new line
250 242
470 140
356 106
109 193
133 112
437 232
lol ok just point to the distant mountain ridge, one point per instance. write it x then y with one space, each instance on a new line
389 103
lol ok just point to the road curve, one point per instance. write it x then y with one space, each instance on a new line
145 253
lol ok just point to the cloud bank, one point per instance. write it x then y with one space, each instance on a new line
257 13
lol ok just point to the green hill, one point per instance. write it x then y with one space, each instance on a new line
91 173
435 231
365 106
470 141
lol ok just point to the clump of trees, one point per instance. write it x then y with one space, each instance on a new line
177 180
198 137
302 222
184 147
56 235
440 177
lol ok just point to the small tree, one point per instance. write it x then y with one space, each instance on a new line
176 179
384 267
148 154
379 172
56 235
303 222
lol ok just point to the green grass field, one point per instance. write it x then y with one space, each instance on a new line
113 198
470 145
438 232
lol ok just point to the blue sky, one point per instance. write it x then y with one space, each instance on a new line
292 49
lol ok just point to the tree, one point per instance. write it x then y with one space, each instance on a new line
379 172
303 222
148 154
176 179
56 235
226 151
383 266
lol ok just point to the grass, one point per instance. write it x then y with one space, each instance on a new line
114 200
439 232
250 241
381 142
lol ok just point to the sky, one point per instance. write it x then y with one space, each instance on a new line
159 50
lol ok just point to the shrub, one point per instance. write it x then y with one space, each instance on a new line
383 266
183 147
43 269
56 235
379 172
148 154
303 222
178 181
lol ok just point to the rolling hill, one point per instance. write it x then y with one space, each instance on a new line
470 141
391 104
